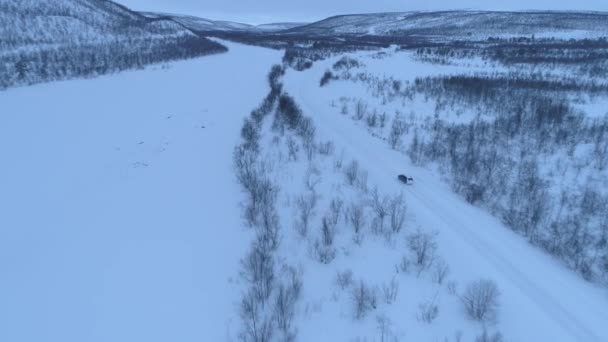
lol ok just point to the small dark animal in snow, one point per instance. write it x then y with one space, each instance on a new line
406 180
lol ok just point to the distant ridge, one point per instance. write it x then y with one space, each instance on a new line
455 24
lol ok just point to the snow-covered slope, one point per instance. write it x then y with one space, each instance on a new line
541 300
201 24
279 26
42 41
119 217
207 25
32 22
462 24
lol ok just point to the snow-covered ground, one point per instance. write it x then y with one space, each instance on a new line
541 300
119 218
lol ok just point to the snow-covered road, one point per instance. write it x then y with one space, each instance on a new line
541 300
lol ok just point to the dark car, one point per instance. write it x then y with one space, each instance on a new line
405 179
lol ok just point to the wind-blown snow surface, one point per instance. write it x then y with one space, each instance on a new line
540 299
119 219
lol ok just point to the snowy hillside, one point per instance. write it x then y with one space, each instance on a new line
50 40
462 24
201 24
206 25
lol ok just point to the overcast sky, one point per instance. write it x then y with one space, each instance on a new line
264 11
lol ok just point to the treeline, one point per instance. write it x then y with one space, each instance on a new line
86 60
267 307
586 56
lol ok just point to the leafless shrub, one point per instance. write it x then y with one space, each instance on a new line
262 193
325 254
257 326
258 269
390 291
404 265
372 120
382 120
488 337
397 210
364 300
268 227
246 166
356 216
384 325
287 295
352 173
292 148
344 109
440 270
250 133
423 247
397 131
362 181
428 311
380 208
452 287
312 179
326 148
305 205
360 110
306 130
344 279
339 161
480 300
335 210
328 231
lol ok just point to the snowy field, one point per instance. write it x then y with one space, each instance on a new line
119 213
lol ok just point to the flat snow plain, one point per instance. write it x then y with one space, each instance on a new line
119 210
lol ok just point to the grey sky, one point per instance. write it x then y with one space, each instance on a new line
262 11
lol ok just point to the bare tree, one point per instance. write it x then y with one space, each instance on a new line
488 337
305 205
360 110
344 279
356 216
423 247
306 130
428 311
258 269
440 270
390 291
480 300
257 327
380 207
292 149
352 172
397 131
328 231
364 300
335 210
397 211
288 293
384 326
